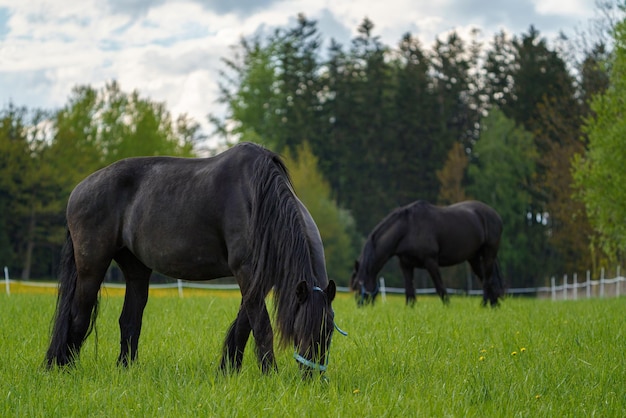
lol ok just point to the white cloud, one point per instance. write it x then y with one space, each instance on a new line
574 8
170 51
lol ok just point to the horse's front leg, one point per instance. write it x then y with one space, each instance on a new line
409 287
236 340
433 269
137 278
262 331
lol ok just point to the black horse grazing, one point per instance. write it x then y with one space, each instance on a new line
234 214
423 235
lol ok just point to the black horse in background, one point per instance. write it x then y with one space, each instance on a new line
234 214
426 236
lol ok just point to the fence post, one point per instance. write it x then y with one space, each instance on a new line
588 284
565 287
383 291
575 286
7 284
180 288
553 282
618 282
602 282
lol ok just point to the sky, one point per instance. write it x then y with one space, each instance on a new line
170 50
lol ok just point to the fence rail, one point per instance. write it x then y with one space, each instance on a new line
565 290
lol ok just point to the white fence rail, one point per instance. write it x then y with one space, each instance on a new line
562 289
558 290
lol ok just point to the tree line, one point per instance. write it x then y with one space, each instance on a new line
389 125
43 155
365 128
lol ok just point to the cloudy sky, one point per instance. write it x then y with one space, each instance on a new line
170 50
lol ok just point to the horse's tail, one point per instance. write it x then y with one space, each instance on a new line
499 281
61 350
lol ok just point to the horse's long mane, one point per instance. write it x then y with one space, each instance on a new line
281 256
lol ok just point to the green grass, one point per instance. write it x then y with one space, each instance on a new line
528 358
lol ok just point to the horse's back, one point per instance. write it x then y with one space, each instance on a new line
162 185
453 232
488 216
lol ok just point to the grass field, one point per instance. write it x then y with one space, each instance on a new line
528 358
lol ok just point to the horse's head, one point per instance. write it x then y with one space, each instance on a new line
366 289
354 283
313 326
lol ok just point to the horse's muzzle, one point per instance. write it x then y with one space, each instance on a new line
371 293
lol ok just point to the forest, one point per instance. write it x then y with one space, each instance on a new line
529 126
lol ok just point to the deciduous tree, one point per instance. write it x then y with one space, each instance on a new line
336 225
600 172
500 175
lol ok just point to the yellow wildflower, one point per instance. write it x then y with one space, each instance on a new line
514 353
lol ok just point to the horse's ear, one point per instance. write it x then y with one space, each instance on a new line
302 291
331 290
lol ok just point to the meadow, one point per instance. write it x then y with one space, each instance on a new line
527 358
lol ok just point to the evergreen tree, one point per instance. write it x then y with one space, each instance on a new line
414 121
355 121
297 52
14 155
29 193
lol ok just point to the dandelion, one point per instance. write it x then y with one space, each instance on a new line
355 391
481 358
537 396
523 349
483 351
514 353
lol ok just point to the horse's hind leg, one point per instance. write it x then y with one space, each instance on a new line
482 266
137 277
84 307
433 269
84 311
409 288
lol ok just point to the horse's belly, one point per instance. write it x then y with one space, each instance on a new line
199 262
193 270
452 257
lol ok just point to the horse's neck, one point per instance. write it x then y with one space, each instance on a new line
384 246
